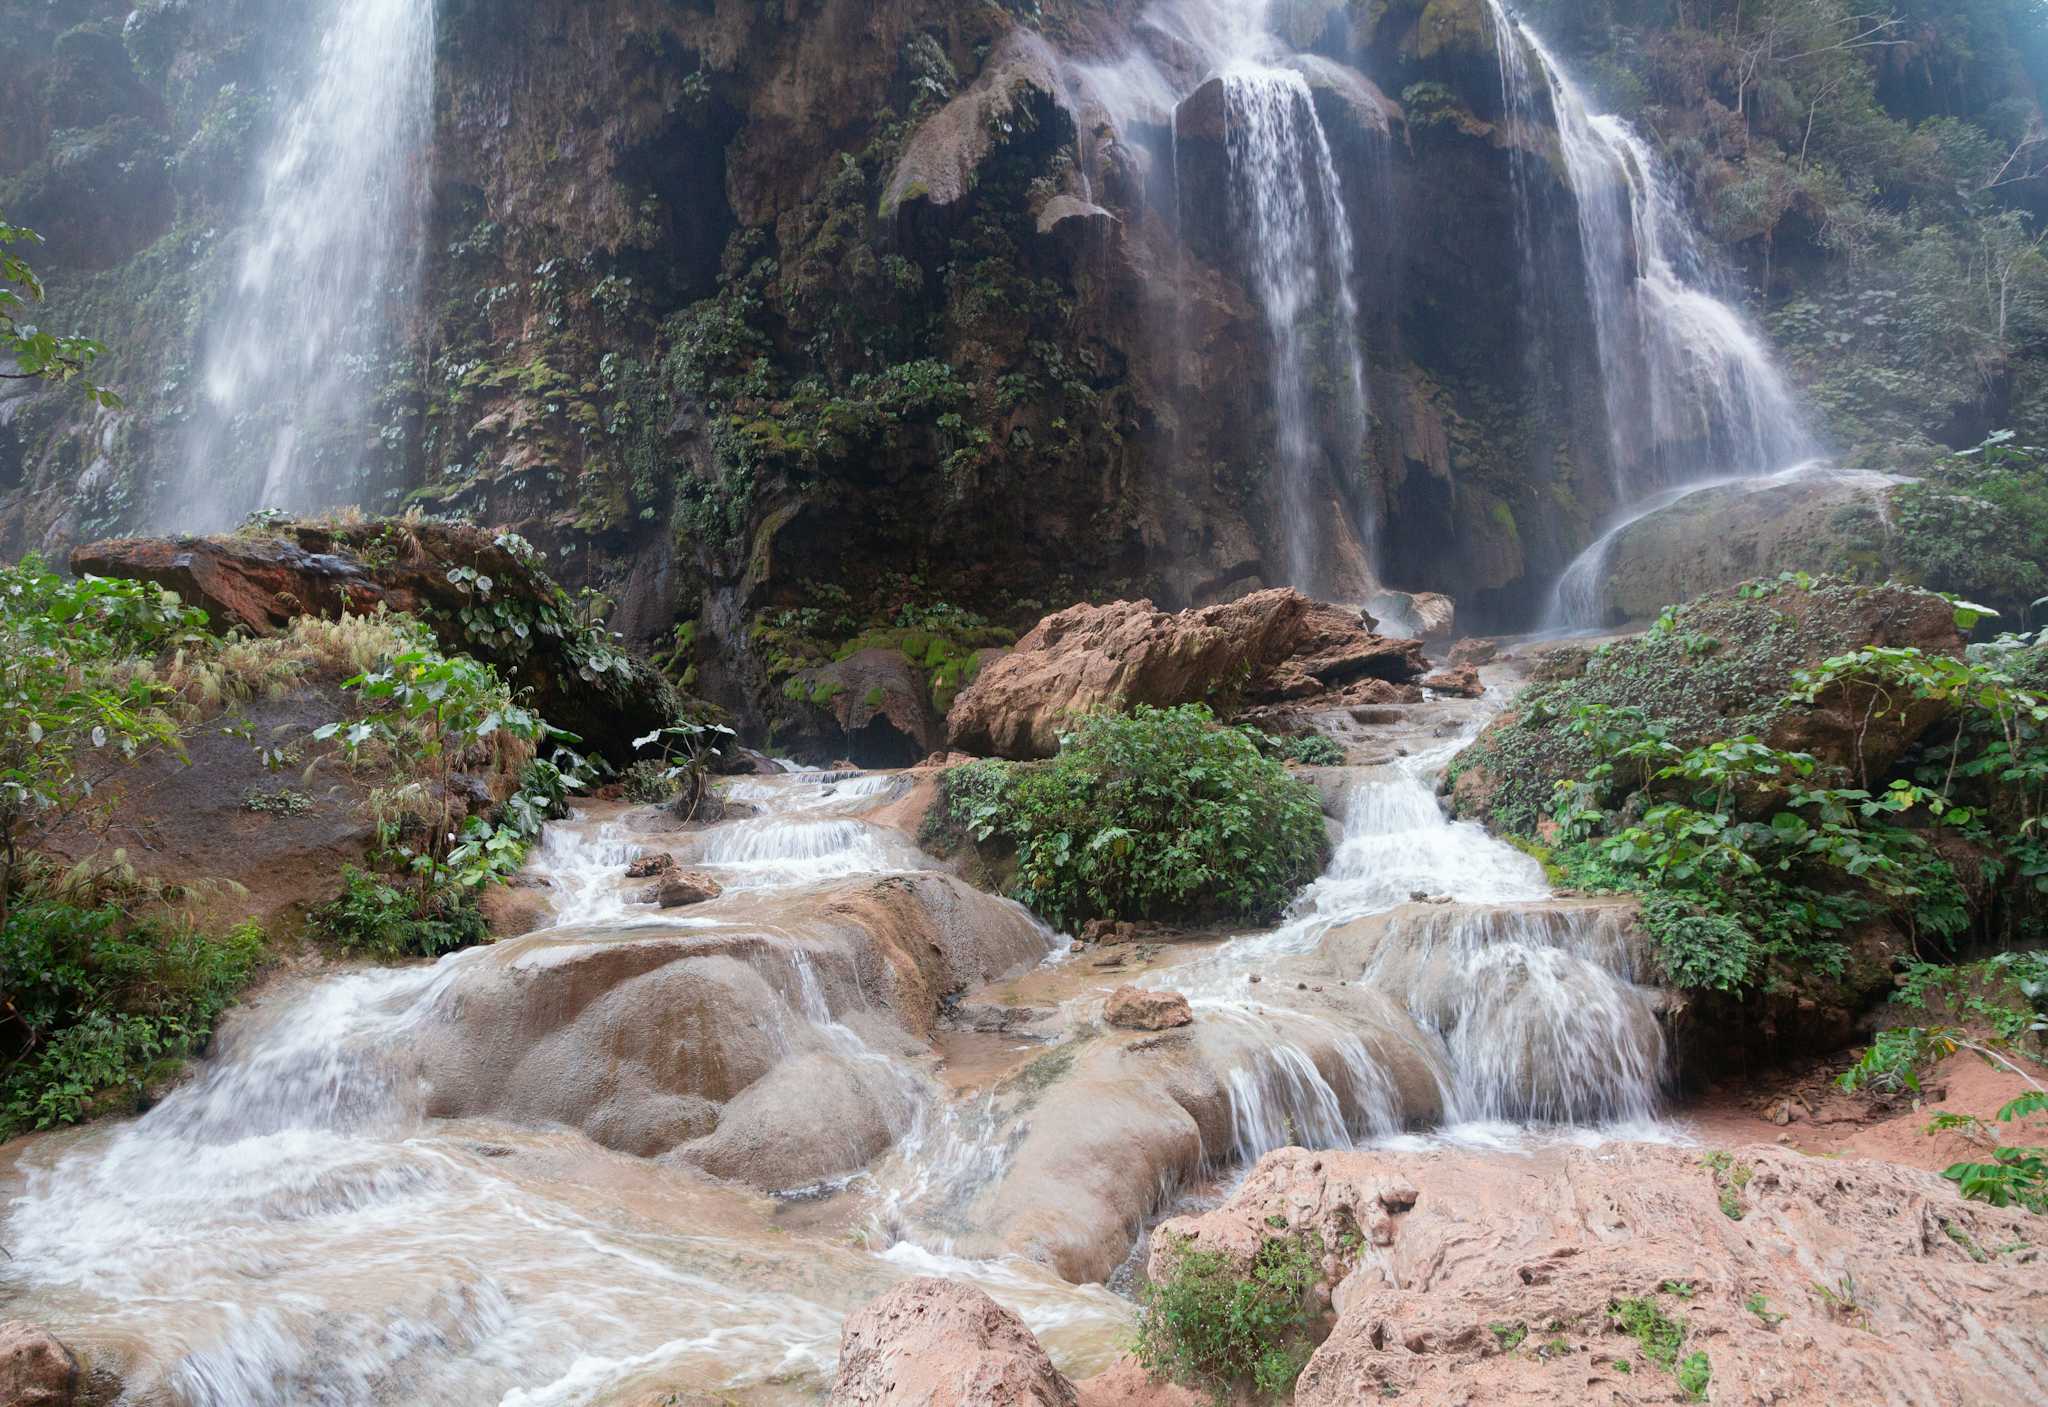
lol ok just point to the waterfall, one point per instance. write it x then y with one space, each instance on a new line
1291 229
1690 389
306 331
1290 218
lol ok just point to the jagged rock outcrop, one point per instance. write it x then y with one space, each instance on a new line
937 1343
1876 1283
1263 648
481 593
1141 1009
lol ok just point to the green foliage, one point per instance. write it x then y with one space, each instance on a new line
1978 523
1309 749
2016 1176
1657 1334
1694 1373
1755 862
73 708
36 352
1154 813
96 999
381 920
1208 1324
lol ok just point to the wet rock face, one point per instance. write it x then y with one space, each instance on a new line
934 1343
1719 537
1268 647
709 1046
1136 1009
36 1370
263 582
681 888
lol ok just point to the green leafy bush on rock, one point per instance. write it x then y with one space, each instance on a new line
1158 813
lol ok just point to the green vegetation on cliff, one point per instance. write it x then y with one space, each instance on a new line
1794 788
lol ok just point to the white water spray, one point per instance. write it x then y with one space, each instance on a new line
307 330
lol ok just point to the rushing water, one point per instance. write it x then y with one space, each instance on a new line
292 1226
1692 394
309 324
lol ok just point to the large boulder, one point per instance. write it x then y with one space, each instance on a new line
1725 667
1268 647
1817 520
723 1045
483 593
936 1343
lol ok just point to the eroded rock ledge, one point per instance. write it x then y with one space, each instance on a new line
1266 648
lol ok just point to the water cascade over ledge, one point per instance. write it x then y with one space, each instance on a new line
1290 231
309 325
1691 391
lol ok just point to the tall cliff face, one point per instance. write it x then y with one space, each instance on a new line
743 309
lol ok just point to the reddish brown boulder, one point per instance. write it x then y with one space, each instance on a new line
934 1343
648 866
1265 648
35 1369
512 911
1474 650
1136 1009
1459 681
681 888
262 581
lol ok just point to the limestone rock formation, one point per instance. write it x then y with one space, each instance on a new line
36 1370
935 1343
261 581
1139 1009
702 1045
1459 681
1266 647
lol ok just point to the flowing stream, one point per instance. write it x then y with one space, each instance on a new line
294 1225
304 335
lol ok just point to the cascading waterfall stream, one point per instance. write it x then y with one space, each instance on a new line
1691 391
307 328
1293 233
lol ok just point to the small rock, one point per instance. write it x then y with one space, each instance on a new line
935 1343
1106 930
1418 896
648 866
35 1369
1136 1009
681 888
1253 978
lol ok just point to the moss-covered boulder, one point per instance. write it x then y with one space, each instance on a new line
1719 667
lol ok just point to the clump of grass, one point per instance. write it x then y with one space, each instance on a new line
1211 1324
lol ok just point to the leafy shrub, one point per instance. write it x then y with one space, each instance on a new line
2015 1176
1152 814
1207 1324
381 920
96 998
1310 750
648 783
73 708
